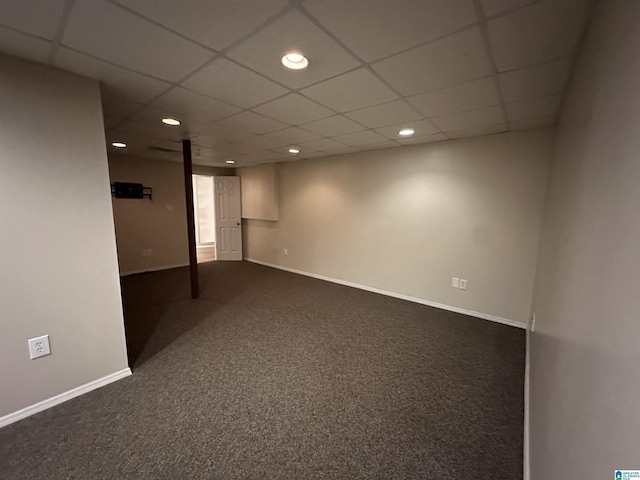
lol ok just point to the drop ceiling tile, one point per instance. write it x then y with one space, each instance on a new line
264 50
468 96
391 113
294 135
478 131
135 141
253 123
342 151
116 81
240 148
111 122
539 33
538 81
468 120
154 115
361 138
446 62
196 105
37 17
216 135
533 123
421 128
234 84
322 145
436 137
293 109
374 29
351 91
533 108
263 142
495 7
332 126
108 32
157 131
116 107
214 23
382 145
24 46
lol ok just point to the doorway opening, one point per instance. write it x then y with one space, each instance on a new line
204 218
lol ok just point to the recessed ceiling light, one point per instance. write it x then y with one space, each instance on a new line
294 150
119 144
406 132
171 121
230 161
295 61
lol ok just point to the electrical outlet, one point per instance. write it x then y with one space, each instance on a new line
286 252
463 284
39 347
147 252
455 282
533 322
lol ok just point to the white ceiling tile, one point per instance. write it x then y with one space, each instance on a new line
517 41
116 107
471 119
342 151
351 91
495 7
436 137
240 148
377 28
24 46
478 131
420 127
449 61
254 123
116 81
294 135
157 131
263 142
533 123
391 113
191 104
216 135
361 138
322 145
229 82
37 17
538 81
380 146
154 115
215 23
533 108
293 32
135 141
293 109
107 31
468 96
111 122
332 126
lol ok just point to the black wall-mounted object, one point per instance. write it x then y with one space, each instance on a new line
130 190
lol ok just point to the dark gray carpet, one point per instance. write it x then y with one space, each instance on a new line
272 375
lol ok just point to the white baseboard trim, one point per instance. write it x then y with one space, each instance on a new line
154 269
63 397
484 316
527 374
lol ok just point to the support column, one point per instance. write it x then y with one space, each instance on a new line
191 228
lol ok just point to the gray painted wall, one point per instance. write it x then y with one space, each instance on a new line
585 357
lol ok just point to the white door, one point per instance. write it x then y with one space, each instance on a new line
228 218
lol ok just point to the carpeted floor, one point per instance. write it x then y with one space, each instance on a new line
272 375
